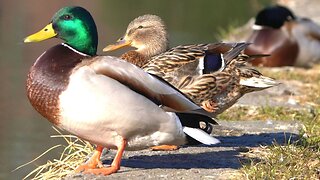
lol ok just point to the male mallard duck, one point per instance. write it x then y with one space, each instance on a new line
214 76
290 41
85 94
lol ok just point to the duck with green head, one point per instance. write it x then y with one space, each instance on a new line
291 40
85 94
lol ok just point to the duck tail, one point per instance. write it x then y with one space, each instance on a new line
198 128
239 59
252 78
235 51
259 82
200 136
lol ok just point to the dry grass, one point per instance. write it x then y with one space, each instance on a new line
295 160
71 157
245 113
291 161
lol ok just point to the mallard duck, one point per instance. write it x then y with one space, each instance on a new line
291 41
105 100
214 75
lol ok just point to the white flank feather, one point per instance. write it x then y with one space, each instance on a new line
200 136
223 64
260 82
200 67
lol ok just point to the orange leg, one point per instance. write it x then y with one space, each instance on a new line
115 166
164 148
93 162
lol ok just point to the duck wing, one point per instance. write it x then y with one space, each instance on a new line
154 88
195 59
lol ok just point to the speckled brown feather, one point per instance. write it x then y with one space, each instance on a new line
48 77
219 89
216 91
197 88
190 67
229 89
134 58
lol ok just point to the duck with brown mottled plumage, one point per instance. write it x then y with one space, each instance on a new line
214 75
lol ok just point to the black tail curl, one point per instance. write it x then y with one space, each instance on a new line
196 121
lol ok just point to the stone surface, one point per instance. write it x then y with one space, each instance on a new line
286 95
221 161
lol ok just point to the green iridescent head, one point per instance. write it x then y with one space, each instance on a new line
75 26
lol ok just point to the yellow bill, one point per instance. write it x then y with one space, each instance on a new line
119 44
45 33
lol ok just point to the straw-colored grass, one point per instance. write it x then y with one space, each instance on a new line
290 161
73 154
295 160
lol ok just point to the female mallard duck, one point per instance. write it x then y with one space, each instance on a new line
214 76
290 41
84 94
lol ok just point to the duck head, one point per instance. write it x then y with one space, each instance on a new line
272 34
274 17
75 26
147 33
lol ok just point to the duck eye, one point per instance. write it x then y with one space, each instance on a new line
67 17
289 18
140 27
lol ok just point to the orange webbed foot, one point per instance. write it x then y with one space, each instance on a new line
94 165
93 162
165 148
103 171
86 166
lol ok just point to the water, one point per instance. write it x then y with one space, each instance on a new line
24 134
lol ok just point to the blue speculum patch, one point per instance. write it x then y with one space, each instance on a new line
212 62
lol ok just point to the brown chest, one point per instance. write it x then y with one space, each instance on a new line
134 58
48 77
44 98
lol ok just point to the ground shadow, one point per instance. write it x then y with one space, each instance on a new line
223 155
254 140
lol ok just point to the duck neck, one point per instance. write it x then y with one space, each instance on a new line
83 38
135 58
85 43
153 48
